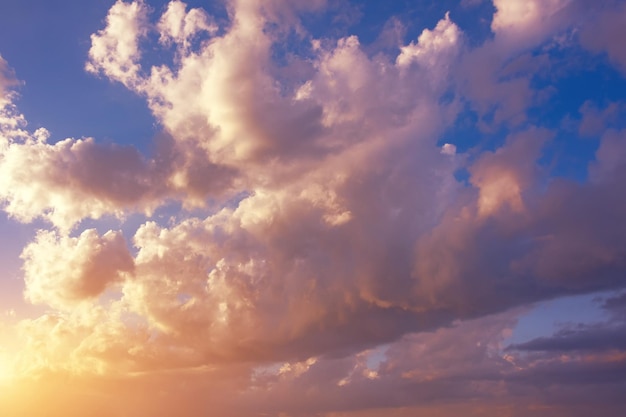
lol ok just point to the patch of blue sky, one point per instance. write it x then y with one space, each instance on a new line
376 356
385 26
415 16
597 84
474 19
547 317
465 133
49 55
46 43
156 54
574 78
369 20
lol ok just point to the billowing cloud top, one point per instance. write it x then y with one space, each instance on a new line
332 244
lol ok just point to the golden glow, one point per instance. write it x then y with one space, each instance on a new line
502 189
6 368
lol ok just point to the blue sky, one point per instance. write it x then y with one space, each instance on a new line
276 195
57 93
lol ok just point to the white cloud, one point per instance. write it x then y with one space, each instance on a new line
448 149
179 26
115 50
519 22
62 271
434 48
72 179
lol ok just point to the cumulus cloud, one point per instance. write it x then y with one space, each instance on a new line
311 173
496 77
231 128
75 179
63 270
320 218
431 44
116 47
519 21
179 27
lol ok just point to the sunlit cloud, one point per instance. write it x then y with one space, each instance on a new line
313 234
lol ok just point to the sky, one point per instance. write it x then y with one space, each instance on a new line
312 208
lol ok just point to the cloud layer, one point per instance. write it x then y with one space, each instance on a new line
325 252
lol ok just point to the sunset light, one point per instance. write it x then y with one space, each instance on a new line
312 208
6 373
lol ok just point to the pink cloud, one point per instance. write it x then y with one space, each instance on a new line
595 120
603 34
336 226
114 51
61 271
7 80
73 179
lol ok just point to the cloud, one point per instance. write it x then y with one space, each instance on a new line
70 180
334 211
431 45
304 163
616 305
502 177
11 121
321 256
61 271
602 34
229 129
179 27
520 22
595 120
7 80
594 338
497 77
605 337
115 51
461 364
